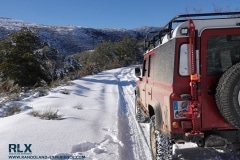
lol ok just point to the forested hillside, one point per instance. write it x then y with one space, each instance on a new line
71 39
37 55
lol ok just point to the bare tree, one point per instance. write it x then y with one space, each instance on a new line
216 9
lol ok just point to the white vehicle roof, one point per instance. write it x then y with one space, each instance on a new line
201 25
201 22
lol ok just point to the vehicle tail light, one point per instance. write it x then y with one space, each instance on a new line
175 125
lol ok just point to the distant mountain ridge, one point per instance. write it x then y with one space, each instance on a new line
72 39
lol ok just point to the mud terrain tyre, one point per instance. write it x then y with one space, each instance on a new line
161 145
228 95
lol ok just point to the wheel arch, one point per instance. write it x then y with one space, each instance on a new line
154 108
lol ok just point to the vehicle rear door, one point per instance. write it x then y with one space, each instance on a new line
216 52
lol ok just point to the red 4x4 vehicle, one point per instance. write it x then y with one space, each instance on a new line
189 84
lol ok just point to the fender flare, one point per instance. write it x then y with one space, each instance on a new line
154 108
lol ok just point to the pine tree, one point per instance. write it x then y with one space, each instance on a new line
19 61
128 51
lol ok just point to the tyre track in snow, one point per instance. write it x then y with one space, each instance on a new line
130 132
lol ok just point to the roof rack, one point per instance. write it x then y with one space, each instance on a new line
156 36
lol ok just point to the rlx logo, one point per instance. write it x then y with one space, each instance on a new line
17 148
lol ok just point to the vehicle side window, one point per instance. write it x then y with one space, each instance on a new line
144 68
183 61
222 53
150 66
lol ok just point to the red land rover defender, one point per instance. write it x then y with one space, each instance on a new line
189 84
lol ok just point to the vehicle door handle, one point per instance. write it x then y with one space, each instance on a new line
149 93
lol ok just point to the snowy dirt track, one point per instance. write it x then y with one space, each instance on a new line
97 122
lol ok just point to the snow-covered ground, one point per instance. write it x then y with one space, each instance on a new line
97 123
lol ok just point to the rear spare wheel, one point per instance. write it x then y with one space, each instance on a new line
228 95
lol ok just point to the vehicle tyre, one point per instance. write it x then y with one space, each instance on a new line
228 95
161 145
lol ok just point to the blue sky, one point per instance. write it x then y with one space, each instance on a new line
108 13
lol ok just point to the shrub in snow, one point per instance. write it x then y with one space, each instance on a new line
41 91
49 114
78 106
35 114
15 97
12 110
65 91
8 86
